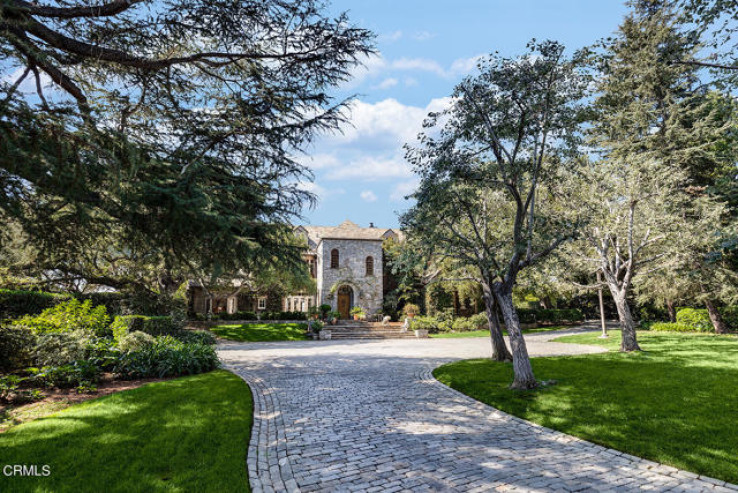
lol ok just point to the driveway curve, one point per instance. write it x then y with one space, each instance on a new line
369 416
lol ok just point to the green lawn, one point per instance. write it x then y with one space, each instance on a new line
485 333
675 403
188 434
261 332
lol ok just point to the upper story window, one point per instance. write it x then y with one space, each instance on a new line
334 258
370 266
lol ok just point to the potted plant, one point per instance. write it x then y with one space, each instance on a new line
324 309
314 312
410 310
322 333
334 316
420 326
357 312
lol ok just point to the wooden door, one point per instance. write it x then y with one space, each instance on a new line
344 302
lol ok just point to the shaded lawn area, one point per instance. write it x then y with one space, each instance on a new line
485 333
675 403
261 332
187 434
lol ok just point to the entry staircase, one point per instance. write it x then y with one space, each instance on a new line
358 329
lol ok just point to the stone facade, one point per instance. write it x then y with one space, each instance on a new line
356 280
351 272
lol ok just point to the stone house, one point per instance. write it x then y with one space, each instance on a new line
346 261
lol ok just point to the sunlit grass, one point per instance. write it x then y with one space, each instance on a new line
485 333
261 332
676 402
188 434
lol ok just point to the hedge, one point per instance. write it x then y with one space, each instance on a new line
670 327
237 316
15 303
283 316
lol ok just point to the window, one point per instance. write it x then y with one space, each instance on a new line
370 266
262 303
334 258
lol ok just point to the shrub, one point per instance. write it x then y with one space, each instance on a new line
463 324
80 373
56 349
411 309
195 336
526 315
115 303
238 316
10 391
425 323
358 311
730 316
316 326
168 356
17 345
283 316
334 314
670 327
133 341
325 308
103 353
557 315
69 316
155 326
696 318
479 321
15 303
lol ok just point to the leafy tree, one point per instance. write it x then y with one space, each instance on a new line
489 195
175 124
655 132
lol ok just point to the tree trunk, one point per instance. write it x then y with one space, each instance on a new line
603 322
717 320
499 348
524 378
671 310
629 341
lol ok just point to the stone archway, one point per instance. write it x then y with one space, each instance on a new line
345 301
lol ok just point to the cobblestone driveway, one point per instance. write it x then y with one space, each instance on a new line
369 416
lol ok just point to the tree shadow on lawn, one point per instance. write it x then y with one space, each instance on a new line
188 434
675 404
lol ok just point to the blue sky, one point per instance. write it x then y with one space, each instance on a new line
424 49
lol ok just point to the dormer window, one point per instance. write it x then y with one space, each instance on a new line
334 258
370 266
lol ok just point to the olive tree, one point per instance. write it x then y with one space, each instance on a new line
489 168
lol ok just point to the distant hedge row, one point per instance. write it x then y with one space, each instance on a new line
549 315
17 303
254 316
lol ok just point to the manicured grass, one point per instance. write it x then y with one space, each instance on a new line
675 403
485 333
188 434
261 332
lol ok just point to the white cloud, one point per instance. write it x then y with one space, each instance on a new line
319 161
421 64
368 196
464 66
390 37
387 83
370 168
423 35
319 191
404 189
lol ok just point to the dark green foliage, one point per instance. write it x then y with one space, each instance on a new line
237 316
12 393
14 304
283 316
155 326
17 346
556 316
114 303
75 374
166 357
60 348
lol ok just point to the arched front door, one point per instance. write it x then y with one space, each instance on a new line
345 301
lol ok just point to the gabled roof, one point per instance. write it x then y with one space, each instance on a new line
347 230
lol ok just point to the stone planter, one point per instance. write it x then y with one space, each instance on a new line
421 333
325 335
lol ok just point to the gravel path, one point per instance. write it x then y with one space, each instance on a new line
369 416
